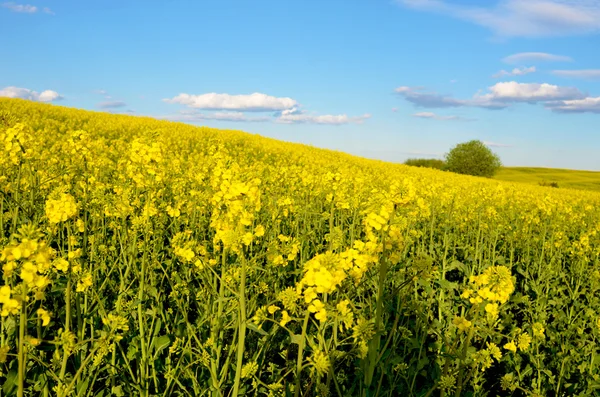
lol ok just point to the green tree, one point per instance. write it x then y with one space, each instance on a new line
473 158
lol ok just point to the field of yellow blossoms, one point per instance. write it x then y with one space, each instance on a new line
150 258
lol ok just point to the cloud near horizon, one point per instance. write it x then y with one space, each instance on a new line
195 116
521 18
25 93
111 104
256 102
585 105
287 110
498 145
499 96
331 119
434 116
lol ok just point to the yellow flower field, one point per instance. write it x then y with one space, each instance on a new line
150 258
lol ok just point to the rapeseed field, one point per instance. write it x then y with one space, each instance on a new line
150 258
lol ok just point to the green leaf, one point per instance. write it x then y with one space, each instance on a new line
161 343
296 339
251 326
11 382
117 391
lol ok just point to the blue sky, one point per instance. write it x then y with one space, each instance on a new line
377 78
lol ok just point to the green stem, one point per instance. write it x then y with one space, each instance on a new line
216 331
63 367
242 330
140 312
300 355
461 373
21 351
374 344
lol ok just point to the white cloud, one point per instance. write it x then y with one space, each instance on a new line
288 116
515 72
255 102
49 96
287 110
394 110
585 105
48 11
523 57
24 93
521 18
417 96
495 144
111 104
433 116
511 91
498 96
296 118
194 116
24 8
404 88
587 74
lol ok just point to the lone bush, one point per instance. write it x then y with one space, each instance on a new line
549 184
473 158
428 163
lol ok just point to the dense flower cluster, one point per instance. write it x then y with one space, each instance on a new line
164 259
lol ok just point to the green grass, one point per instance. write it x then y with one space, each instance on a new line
573 179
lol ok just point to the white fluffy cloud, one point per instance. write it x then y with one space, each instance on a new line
287 110
511 91
521 18
498 96
585 105
24 93
433 116
255 102
523 57
515 72
587 74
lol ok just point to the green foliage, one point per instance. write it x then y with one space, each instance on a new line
549 184
473 158
427 163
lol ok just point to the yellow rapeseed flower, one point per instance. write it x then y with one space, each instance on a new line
511 346
285 318
44 316
462 323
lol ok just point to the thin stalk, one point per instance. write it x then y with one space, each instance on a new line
242 330
301 346
140 312
375 343
21 351
65 358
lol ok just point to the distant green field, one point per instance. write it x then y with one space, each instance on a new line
573 179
